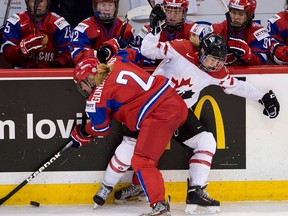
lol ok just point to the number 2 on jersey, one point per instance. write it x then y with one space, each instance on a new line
144 85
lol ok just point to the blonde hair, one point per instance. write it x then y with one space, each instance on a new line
194 40
103 71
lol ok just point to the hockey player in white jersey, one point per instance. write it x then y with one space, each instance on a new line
182 61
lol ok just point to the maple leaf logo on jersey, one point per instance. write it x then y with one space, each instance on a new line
183 87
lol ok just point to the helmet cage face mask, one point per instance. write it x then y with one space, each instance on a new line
213 46
38 13
176 8
249 6
220 63
82 91
105 19
84 74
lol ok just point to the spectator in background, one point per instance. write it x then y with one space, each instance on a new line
278 29
247 40
37 38
74 11
177 27
101 29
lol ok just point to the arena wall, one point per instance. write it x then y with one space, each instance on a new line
39 107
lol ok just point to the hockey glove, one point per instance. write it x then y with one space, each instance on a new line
104 54
79 136
240 49
280 52
122 43
114 45
271 104
30 44
157 17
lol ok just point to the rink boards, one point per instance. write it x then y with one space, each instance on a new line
37 116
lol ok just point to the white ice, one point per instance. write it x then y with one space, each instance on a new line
135 208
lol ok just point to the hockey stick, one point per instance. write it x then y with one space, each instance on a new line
38 171
151 3
142 10
36 4
228 18
7 11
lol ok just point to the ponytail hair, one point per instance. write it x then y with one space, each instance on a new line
194 40
103 71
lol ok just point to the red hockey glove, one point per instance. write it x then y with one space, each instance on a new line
240 49
30 44
79 136
280 52
271 104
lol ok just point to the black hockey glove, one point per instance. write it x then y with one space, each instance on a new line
103 54
123 43
271 104
157 19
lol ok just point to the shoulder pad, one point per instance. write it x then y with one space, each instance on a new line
61 23
81 27
261 33
197 29
13 19
274 18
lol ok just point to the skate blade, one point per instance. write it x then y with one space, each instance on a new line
199 210
95 206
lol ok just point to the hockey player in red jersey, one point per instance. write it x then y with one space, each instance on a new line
180 63
175 27
103 27
37 38
247 40
144 103
278 29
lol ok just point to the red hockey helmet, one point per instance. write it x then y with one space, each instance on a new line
82 72
105 19
180 8
176 4
249 6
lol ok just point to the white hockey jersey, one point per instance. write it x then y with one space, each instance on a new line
179 65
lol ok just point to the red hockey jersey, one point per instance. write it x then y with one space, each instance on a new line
56 31
128 95
255 35
91 34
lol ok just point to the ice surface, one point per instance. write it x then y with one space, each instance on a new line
135 208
